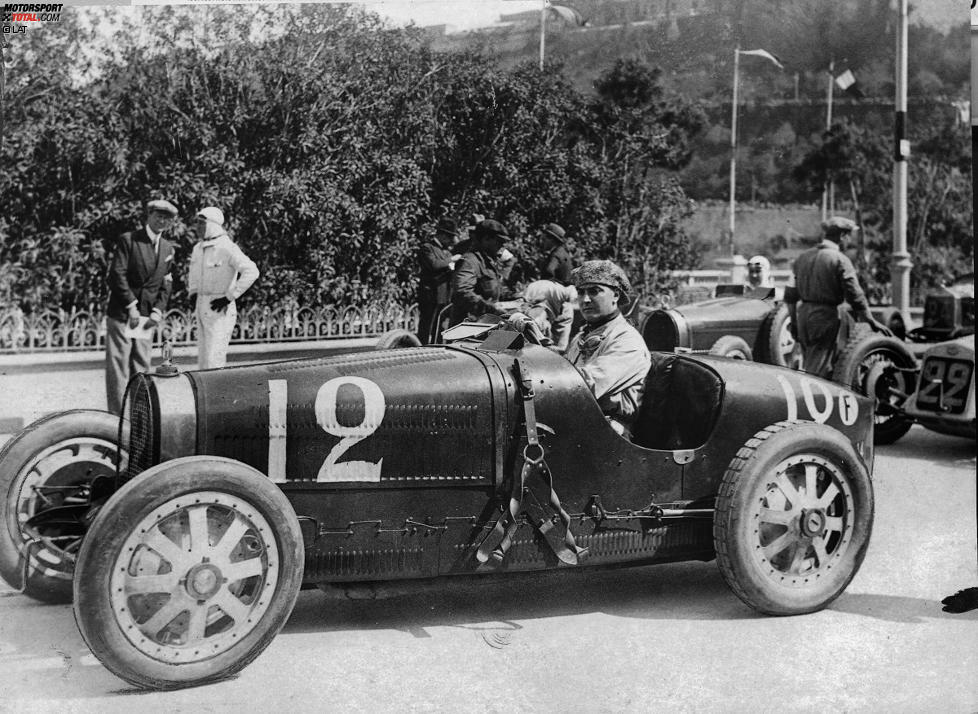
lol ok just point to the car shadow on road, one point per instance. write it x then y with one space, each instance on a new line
947 450
684 591
894 608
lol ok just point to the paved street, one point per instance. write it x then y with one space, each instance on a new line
667 638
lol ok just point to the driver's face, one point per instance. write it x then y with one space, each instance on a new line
597 301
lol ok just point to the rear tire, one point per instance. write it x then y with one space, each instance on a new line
732 347
188 573
793 518
50 465
775 343
873 364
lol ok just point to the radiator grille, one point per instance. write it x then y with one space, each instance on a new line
142 427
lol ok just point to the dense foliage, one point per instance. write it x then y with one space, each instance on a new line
332 145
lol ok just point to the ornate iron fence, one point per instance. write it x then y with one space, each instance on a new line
60 331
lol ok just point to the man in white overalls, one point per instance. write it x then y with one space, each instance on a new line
220 273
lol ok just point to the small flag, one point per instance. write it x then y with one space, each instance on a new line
567 14
763 53
847 83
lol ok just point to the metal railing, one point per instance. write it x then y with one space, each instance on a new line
83 330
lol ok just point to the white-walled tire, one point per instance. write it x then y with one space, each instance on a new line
793 518
188 573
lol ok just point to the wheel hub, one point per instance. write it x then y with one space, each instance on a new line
203 581
812 522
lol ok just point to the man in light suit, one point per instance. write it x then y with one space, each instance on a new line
220 273
140 283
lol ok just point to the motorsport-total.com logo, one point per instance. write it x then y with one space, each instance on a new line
28 13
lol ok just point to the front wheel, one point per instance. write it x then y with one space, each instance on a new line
793 518
188 573
881 367
52 476
397 339
732 347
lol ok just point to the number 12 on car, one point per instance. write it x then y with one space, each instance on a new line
327 398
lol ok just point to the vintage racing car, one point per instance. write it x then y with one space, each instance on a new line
742 323
939 394
184 531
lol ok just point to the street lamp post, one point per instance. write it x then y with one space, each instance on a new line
733 152
900 261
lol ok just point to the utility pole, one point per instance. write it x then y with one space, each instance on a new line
733 152
826 189
543 30
900 261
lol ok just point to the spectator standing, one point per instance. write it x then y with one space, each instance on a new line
220 273
825 278
435 286
139 283
477 285
555 263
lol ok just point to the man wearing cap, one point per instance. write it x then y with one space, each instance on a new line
825 278
220 273
435 286
140 283
477 285
555 264
609 353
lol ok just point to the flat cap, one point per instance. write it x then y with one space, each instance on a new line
447 225
161 206
491 229
601 272
212 214
552 229
838 224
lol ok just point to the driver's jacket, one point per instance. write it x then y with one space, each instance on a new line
614 361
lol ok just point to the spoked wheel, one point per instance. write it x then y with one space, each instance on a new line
793 518
53 475
188 573
775 342
880 367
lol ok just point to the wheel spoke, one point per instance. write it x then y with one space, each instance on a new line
778 544
801 549
778 517
164 616
243 569
231 606
232 536
830 493
199 538
176 556
811 483
198 622
788 489
144 584
823 556
834 523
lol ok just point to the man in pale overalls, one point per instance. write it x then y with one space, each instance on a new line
220 273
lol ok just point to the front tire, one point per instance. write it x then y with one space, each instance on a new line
188 573
732 347
793 518
47 474
397 339
880 367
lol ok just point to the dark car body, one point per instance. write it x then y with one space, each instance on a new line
949 313
397 463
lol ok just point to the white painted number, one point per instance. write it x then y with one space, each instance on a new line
374 407
819 406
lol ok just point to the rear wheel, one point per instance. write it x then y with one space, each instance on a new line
793 518
188 573
775 343
50 476
880 367
396 339
732 347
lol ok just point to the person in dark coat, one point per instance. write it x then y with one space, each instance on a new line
555 263
140 283
435 286
825 278
478 285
